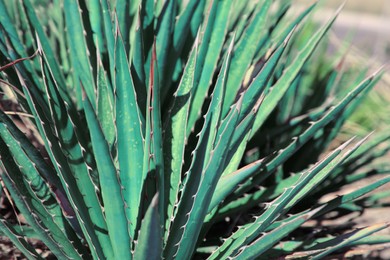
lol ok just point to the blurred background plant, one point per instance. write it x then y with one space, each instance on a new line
362 34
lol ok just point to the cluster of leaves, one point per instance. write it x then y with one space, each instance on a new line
177 129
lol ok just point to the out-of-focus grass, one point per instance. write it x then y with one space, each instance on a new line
364 51
371 6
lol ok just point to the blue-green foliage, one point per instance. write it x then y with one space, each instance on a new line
155 129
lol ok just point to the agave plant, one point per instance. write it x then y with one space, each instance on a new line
176 129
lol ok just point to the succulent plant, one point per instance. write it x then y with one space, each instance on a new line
177 129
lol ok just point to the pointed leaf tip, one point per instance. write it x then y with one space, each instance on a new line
344 145
39 45
380 70
287 39
341 7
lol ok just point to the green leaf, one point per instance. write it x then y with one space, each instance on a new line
210 48
64 172
18 240
105 105
138 65
37 186
252 98
13 49
281 86
245 51
263 243
165 27
34 156
153 156
321 177
73 152
254 94
248 233
187 22
78 51
108 34
45 45
203 173
25 203
149 244
129 135
275 160
229 182
283 28
95 8
126 13
11 32
112 194
344 240
174 138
